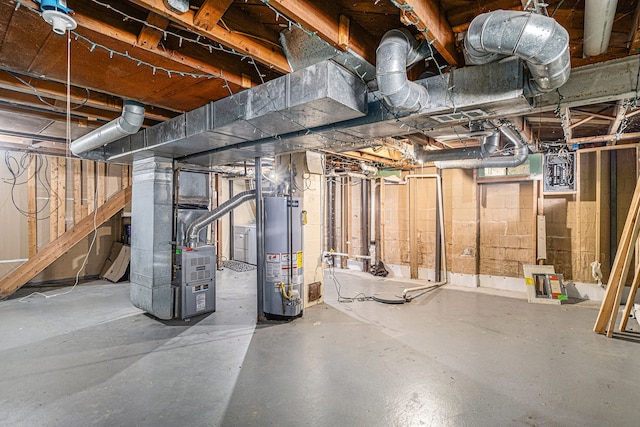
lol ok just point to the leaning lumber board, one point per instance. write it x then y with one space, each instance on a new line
54 250
630 299
619 264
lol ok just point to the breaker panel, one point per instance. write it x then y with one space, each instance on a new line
559 172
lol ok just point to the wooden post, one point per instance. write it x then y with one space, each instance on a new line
91 186
77 191
32 205
54 199
62 194
101 175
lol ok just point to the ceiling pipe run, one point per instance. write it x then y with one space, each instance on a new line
128 123
537 39
520 154
598 22
193 230
489 143
397 51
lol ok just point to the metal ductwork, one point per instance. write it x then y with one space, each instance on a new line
598 22
128 123
397 51
194 228
489 143
539 40
520 154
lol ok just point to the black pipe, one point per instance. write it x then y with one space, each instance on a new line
331 202
364 222
231 233
438 266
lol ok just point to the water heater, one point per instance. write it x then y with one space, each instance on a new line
283 287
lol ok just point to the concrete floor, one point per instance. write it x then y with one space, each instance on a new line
450 357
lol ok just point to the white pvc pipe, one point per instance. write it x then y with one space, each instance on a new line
598 22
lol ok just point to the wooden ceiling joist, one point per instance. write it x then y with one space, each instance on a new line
337 31
428 17
182 61
149 36
269 56
209 14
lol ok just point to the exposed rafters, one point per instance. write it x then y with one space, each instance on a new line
210 13
427 16
319 20
271 57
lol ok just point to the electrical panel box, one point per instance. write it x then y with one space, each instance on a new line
559 172
195 280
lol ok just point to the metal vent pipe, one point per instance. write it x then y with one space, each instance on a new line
489 143
202 221
539 40
128 123
398 50
520 154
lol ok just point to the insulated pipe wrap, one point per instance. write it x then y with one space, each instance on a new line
128 123
537 39
485 149
398 50
202 221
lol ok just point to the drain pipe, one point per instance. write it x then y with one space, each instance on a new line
537 39
128 123
202 221
520 154
598 22
397 51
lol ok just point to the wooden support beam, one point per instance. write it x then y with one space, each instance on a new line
183 62
91 186
620 267
149 36
621 111
343 32
62 193
101 194
54 199
54 250
32 205
267 55
630 300
581 122
320 19
565 115
210 13
427 16
77 190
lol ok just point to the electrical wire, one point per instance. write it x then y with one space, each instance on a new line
358 297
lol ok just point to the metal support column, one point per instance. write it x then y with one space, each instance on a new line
260 257
231 234
438 266
364 222
331 202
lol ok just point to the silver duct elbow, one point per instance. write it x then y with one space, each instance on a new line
539 40
193 230
520 154
128 123
398 50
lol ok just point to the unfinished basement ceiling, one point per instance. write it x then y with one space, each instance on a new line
141 50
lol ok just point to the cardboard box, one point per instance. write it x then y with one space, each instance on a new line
116 265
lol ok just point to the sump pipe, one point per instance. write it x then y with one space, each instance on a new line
128 123
193 230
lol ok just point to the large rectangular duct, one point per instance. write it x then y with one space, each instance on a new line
152 228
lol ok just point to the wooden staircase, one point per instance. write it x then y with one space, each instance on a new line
56 248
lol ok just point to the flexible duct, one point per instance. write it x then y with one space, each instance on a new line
202 221
398 50
128 123
489 143
520 154
537 39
